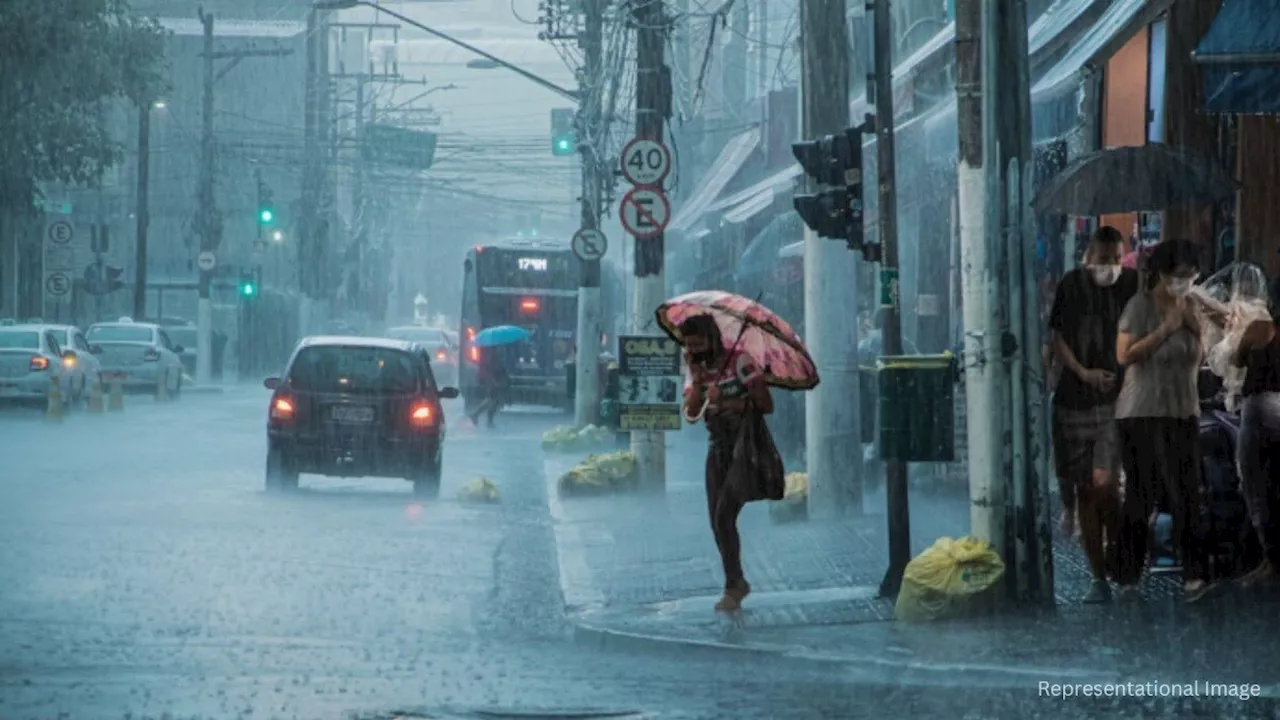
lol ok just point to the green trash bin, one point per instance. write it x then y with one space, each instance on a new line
917 408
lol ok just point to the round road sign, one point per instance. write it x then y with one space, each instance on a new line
57 284
645 212
206 261
645 162
589 244
61 232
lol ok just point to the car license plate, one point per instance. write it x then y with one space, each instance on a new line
352 414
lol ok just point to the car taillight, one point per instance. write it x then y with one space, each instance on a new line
281 407
151 355
471 333
39 363
529 305
421 414
475 354
442 355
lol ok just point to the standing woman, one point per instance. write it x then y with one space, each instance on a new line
1258 450
1157 412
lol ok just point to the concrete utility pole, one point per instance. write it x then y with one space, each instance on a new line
210 224
653 108
587 382
311 241
887 213
832 430
984 398
142 212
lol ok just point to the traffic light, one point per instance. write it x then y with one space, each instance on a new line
248 286
564 137
266 204
112 275
835 212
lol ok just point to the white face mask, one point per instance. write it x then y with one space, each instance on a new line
1105 275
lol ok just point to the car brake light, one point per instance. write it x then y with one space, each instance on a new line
442 355
471 333
529 305
39 363
475 354
421 414
282 408
151 355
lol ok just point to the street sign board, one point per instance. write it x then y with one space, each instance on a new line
645 212
645 162
206 261
650 383
57 284
59 249
590 244
390 145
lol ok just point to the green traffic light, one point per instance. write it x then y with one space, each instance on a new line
265 215
248 290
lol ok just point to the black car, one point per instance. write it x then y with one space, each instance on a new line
350 406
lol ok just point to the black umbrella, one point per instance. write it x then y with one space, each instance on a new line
1134 179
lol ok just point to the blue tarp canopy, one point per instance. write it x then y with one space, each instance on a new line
1240 56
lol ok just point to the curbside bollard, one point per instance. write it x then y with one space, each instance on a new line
116 402
95 395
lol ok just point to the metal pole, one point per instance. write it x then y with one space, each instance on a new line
981 346
587 367
833 442
142 212
363 295
762 45
308 232
887 215
1041 585
653 107
210 226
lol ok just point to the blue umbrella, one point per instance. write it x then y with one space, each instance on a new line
501 335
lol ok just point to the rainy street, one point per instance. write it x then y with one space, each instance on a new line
147 572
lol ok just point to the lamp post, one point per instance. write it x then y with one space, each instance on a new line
142 211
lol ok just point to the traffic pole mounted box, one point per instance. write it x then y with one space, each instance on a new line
917 407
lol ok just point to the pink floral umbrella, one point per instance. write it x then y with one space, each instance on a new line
749 328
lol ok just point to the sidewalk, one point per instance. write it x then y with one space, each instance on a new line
642 574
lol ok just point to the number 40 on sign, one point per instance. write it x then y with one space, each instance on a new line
645 162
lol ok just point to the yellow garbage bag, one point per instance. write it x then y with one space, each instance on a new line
797 484
599 473
954 578
480 490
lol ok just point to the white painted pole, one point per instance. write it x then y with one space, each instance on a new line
587 381
833 443
204 341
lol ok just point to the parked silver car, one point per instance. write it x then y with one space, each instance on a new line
30 357
79 361
142 352
444 351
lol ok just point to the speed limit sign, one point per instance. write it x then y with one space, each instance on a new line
645 162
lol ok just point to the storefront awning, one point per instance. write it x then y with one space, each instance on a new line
732 158
1116 26
745 204
794 250
1240 58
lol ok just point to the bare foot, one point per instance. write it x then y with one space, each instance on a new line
728 603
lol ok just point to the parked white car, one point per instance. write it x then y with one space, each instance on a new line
79 361
30 357
444 351
142 352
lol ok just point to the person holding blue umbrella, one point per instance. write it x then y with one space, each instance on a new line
491 375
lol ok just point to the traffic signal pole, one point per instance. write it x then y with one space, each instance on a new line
210 225
832 431
653 107
587 365
887 214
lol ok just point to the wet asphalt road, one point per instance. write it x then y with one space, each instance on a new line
144 572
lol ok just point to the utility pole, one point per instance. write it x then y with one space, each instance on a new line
899 516
587 381
653 108
311 246
210 223
142 211
832 431
762 46
363 291
976 58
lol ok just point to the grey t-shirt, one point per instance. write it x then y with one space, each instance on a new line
1163 385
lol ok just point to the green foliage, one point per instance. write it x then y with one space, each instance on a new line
62 62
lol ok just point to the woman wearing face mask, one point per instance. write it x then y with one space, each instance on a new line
1157 413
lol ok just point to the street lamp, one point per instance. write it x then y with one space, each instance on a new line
159 105
497 61
278 236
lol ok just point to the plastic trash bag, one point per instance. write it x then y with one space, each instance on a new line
600 474
954 578
1239 292
569 439
480 490
794 505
